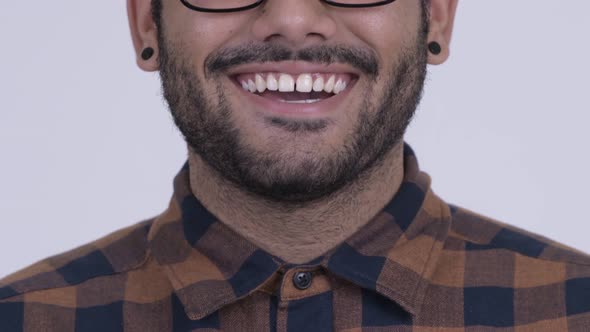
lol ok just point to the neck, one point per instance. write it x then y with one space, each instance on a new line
298 235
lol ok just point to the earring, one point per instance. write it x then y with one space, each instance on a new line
147 53
434 48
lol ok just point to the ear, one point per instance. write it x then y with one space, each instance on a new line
143 32
442 17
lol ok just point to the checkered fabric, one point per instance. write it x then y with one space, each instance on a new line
419 265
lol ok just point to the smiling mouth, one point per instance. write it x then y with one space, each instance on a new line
305 88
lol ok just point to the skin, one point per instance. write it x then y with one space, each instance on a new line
298 227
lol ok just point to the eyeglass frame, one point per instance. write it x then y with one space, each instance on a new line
257 3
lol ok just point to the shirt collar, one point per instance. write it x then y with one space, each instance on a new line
396 253
210 266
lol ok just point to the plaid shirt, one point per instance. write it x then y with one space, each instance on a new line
419 265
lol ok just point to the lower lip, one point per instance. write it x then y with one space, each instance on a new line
320 108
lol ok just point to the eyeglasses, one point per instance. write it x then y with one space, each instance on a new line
227 6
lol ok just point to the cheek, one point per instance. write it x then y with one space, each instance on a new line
386 29
212 31
197 35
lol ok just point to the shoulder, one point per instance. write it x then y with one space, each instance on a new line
481 233
523 278
116 253
84 285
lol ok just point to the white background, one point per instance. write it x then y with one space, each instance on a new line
87 145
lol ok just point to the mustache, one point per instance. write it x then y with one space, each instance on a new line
221 61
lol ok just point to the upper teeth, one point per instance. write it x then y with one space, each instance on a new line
304 83
287 83
260 84
329 86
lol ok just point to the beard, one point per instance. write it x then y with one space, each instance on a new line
279 176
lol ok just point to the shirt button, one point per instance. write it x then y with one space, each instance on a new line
302 280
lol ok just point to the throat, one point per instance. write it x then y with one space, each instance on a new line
298 234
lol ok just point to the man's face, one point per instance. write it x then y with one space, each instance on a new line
292 146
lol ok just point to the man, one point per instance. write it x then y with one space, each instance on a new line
300 206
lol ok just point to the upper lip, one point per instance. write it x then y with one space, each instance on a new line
293 68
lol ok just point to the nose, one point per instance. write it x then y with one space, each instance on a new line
296 23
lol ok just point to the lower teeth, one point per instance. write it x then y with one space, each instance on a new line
306 101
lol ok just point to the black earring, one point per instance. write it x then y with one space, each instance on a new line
147 53
434 48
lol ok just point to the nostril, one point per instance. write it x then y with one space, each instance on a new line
273 37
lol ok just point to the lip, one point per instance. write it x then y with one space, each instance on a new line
300 111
